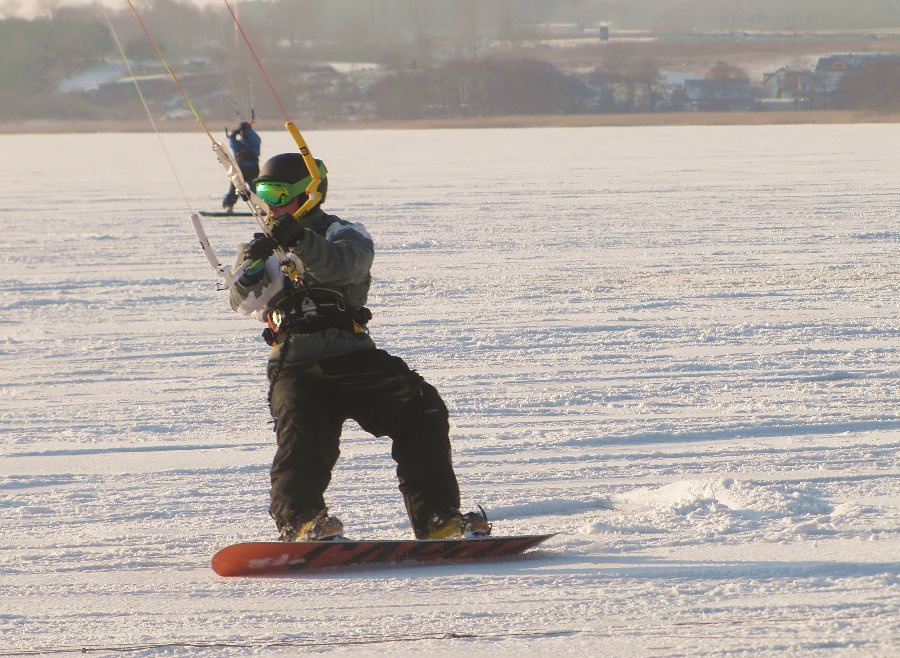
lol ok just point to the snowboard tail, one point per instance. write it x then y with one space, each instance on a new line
262 558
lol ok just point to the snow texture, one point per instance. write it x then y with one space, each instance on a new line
676 347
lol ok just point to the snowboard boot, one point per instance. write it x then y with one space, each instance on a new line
452 524
321 527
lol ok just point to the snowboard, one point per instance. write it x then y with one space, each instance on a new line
266 558
222 213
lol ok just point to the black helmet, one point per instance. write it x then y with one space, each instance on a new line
290 169
287 168
245 125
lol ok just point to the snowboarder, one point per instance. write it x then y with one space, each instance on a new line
245 144
324 368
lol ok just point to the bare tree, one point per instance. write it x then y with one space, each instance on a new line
724 71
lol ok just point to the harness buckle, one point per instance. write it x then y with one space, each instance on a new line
308 308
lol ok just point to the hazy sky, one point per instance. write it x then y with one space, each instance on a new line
32 8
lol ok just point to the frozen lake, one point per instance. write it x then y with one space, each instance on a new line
677 347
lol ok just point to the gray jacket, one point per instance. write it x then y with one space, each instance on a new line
336 254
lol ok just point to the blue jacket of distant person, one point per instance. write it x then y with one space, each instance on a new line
246 145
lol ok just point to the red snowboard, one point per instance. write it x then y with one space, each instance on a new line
258 558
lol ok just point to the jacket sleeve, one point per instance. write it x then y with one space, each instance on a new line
255 299
342 258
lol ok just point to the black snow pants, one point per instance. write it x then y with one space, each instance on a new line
310 403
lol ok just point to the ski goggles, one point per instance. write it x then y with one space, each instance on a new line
281 194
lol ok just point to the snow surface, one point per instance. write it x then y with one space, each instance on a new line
676 347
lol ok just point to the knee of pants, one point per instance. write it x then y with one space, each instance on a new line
425 434
435 413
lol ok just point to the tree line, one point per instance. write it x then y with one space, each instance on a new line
433 55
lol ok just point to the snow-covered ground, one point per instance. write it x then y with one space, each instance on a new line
676 347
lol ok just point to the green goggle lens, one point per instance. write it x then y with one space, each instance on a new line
281 194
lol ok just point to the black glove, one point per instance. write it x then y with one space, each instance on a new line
257 251
260 247
287 230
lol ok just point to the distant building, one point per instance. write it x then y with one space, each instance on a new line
790 83
789 88
830 70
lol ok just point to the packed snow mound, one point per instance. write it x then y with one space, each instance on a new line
724 509
692 496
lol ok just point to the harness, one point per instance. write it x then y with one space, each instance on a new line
312 310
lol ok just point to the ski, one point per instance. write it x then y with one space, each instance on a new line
268 558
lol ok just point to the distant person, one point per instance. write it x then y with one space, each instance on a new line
324 368
245 144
